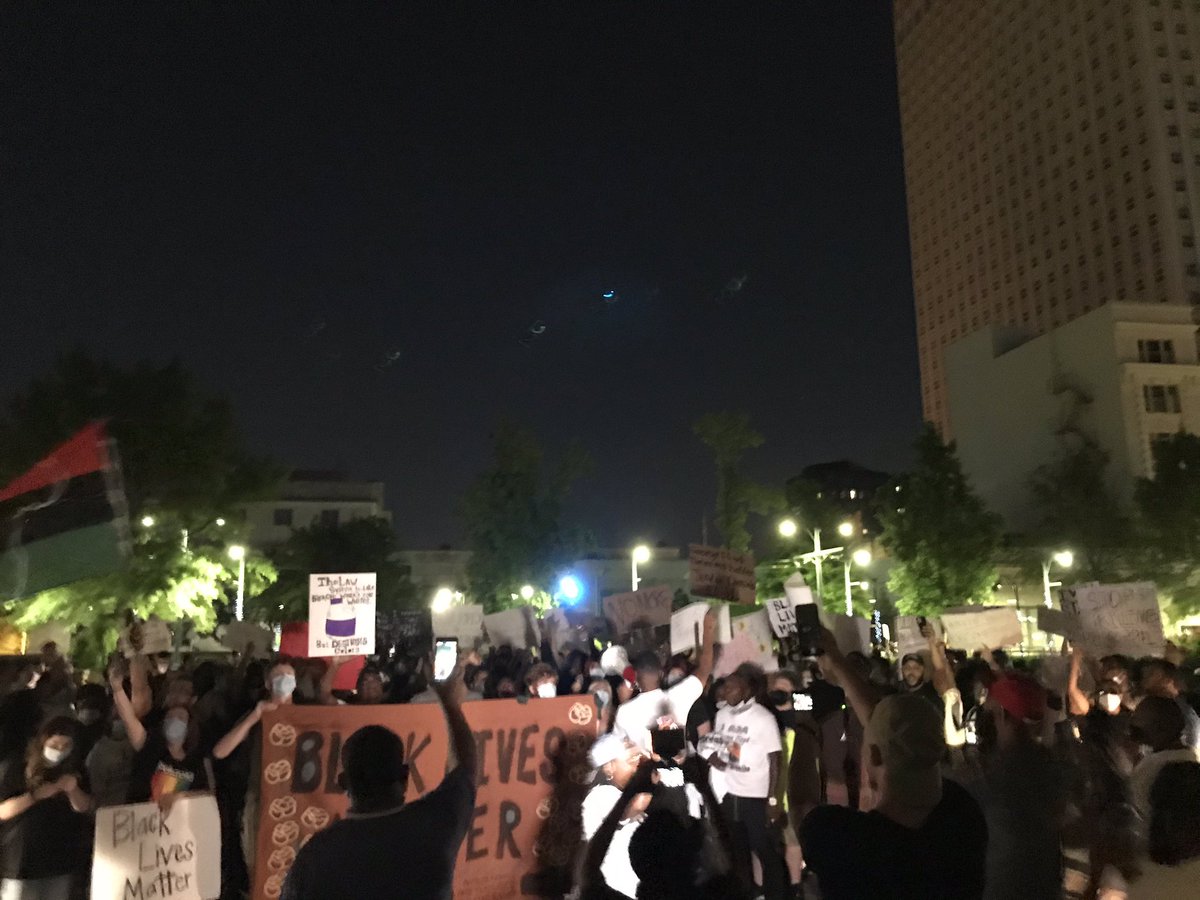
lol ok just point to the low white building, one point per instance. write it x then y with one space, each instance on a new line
1123 375
311 498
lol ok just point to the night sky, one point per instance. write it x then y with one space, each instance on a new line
354 219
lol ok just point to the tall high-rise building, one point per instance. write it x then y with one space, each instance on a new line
1052 157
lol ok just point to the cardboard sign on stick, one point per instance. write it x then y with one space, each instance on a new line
341 614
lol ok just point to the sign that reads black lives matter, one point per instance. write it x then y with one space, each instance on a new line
143 854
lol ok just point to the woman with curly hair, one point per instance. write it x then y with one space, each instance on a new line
43 816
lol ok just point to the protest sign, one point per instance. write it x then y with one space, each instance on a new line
464 622
515 627
721 574
1056 621
293 642
782 616
533 774
908 635
156 638
686 623
239 635
752 642
341 614
970 628
1117 618
851 632
648 607
797 591
409 630
142 852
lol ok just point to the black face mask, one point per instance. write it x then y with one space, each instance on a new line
778 698
787 717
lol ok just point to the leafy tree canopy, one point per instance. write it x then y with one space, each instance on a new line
729 435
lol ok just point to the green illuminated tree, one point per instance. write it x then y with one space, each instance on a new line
729 435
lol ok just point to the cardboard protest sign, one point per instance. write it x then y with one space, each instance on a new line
983 626
341 614
851 632
908 635
141 853
533 776
648 607
463 622
410 630
1056 621
686 623
752 641
782 617
239 635
1117 618
515 627
293 642
156 638
721 574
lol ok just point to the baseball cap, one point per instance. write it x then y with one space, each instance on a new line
1020 696
913 657
909 732
607 748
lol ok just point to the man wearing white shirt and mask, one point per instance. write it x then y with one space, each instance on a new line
654 707
749 757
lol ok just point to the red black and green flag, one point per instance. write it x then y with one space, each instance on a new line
65 519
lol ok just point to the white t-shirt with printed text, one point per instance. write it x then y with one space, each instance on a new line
746 735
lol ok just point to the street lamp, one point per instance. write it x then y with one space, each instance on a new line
862 559
1064 559
527 592
846 529
220 523
238 552
788 528
442 600
639 555
147 521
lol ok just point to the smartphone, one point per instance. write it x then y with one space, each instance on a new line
802 702
808 628
921 623
445 658
668 742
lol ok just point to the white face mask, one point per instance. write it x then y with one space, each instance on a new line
1110 703
721 704
547 690
54 756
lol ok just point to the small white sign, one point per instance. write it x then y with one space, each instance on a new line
516 628
985 626
156 638
782 615
142 853
341 614
686 621
463 622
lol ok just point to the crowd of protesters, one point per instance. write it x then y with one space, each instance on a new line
943 775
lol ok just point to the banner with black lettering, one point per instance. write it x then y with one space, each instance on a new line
533 775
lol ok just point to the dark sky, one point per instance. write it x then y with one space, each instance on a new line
350 218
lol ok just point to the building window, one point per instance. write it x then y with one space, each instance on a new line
1156 351
1157 440
329 518
283 517
1161 398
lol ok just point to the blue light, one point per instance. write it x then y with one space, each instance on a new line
608 295
570 588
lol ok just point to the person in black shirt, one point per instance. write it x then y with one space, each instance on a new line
43 822
914 681
385 848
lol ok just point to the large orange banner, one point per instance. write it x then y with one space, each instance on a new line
533 775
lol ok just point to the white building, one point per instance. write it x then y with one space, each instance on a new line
1124 375
310 498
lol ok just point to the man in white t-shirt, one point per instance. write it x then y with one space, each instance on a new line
654 707
749 756
615 760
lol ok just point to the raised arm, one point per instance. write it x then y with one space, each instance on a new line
704 665
861 695
943 676
452 692
139 686
1077 701
236 735
134 730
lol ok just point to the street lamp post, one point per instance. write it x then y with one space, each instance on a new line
862 559
238 552
789 529
639 555
1064 559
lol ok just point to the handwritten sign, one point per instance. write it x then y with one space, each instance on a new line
752 641
984 626
156 638
782 616
341 614
464 622
533 776
685 622
515 627
409 630
140 853
1117 618
648 607
720 573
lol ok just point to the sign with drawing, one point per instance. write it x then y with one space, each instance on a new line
341 614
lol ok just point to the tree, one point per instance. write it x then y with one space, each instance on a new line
513 514
729 436
1078 510
360 545
943 538
183 462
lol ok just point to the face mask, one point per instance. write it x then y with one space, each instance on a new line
175 731
547 690
596 673
88 716
779 698
721 704
54 756
603 698
1110 703
673 678
282 686
787 717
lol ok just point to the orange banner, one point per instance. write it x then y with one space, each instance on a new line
533 776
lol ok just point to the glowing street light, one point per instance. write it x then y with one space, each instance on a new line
527 592
846 529
1064 559
220 523
788 528
639 555
147 521
238 552
442 600
861 558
